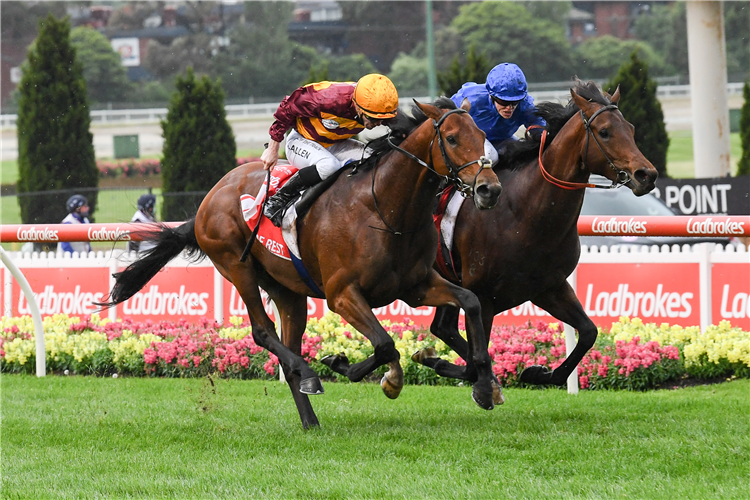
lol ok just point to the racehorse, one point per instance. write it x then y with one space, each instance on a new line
366 241
524 249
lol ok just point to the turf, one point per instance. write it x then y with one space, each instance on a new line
86 437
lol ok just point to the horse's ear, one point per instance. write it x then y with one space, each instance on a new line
466 105
429 110
616 96
581 102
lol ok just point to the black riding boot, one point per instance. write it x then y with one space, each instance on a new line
289 192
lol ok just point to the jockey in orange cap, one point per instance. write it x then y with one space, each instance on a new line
324 117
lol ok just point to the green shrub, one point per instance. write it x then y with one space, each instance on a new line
744 166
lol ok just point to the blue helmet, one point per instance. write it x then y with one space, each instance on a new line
146 203
506 81
75 202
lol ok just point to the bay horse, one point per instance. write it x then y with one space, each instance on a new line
525 249
367 241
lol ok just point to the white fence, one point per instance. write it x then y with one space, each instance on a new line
265 110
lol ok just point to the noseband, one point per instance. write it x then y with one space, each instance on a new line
466 190
622 177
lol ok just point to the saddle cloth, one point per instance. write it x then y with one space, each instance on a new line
445 217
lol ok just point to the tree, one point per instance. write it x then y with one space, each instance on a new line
507 32
409 75
199 146
639 105
475 70
664 27
602 56
55 147
106 77
743 168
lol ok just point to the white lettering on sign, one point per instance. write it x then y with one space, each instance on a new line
51 302
708 226
34 234
104 234
400 308
237 305
173 303
740 305
638 304
698 199
612 225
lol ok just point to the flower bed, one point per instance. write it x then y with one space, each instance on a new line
135 167
633 355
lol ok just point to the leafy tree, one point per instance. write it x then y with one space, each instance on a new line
736 25
409 75
508 32
199 146
475 70
349 68
20 19
55 147
744 166
639 105
602 56
106 77
664 27
167 61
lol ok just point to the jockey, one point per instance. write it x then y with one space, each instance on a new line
324 117
145 213
78 212
500 106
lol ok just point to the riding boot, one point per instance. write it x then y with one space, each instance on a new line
289 192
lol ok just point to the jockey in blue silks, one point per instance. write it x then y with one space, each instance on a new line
500 106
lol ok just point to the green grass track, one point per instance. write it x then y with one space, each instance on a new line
87 437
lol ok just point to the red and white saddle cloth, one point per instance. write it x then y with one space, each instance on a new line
445 221
277 241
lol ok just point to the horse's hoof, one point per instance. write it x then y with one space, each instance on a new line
311 386
422 354
537 375
336 362
497 392
483 399
390 389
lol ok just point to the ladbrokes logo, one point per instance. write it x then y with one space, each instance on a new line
105 234
614 226
726 227
740 304
173 303
34 234
51 302
659 304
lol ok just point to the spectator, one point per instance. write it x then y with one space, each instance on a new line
78 212
145 213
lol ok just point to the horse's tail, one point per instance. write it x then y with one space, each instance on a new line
170 242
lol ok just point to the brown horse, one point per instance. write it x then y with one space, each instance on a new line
525 249
367 241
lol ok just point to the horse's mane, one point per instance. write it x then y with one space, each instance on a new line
521 153
405 122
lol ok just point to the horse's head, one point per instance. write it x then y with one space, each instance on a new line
609 147
457 152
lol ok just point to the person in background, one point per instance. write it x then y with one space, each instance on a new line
324 118
145 213
78 213
500 106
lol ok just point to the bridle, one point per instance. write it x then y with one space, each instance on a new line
466 190
621 176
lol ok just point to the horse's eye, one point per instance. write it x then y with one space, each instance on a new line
604 133
451 140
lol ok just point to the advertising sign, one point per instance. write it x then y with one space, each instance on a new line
654 292
129 50
174 294
718 196
730 289
62 290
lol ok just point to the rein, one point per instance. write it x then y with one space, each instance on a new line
622 176
466 190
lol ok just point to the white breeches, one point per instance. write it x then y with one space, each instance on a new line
302 152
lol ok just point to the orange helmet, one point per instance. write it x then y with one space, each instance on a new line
376 96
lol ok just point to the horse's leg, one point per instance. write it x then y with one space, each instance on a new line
244 278
563 304
292 309
445 327
350 304
436 291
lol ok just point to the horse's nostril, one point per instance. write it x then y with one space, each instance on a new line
489 190
643 176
